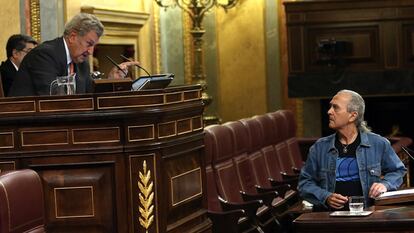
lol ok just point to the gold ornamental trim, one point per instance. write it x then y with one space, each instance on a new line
157 38
188 48
35 19
146 197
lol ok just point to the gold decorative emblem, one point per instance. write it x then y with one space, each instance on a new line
35 19
146 197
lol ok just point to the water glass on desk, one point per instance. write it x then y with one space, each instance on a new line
356 204
63 85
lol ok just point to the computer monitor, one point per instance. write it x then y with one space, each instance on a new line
158 81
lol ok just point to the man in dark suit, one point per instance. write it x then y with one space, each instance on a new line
53 58
17 47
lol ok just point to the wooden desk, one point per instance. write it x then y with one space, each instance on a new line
112 162
383 219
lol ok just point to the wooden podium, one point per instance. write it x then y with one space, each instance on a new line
112 162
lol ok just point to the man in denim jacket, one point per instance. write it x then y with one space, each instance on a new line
351 162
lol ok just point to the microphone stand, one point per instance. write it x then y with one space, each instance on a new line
114 63
407 151
122 56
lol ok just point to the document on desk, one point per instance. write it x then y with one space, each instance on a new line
395 193
395 197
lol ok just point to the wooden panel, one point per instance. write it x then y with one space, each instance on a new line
197 123
79 197
173 97
7 166
96 135
6 140
391 44
167 129
186 186
184 126
408 44
61 105
295 47
17 107
44 137
83 207
295 17
406 12
114 102
380 47
363 43
350 15
184 182
141 133
192 95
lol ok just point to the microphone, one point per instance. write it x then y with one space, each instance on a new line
114 63
122 56
406 150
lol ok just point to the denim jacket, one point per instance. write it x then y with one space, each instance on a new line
377 162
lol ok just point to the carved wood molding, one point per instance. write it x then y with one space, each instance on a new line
116 18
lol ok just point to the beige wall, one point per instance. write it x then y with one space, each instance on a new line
242 61
73 6
9 23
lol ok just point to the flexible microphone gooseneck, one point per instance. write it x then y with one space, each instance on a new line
149 75
114 63
406 150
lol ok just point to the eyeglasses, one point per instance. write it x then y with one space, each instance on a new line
25 50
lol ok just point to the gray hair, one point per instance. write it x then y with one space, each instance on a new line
83 23
357 104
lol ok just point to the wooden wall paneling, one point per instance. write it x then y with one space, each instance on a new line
390 32
296 49
362 42
184 188
408 43
378 41
380 33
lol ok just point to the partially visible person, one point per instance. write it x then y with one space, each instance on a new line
351 162
17 47
63 56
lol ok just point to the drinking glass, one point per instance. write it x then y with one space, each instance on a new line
356 204
63 85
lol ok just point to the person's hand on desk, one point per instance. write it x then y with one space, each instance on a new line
122 70
376 190
336 201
